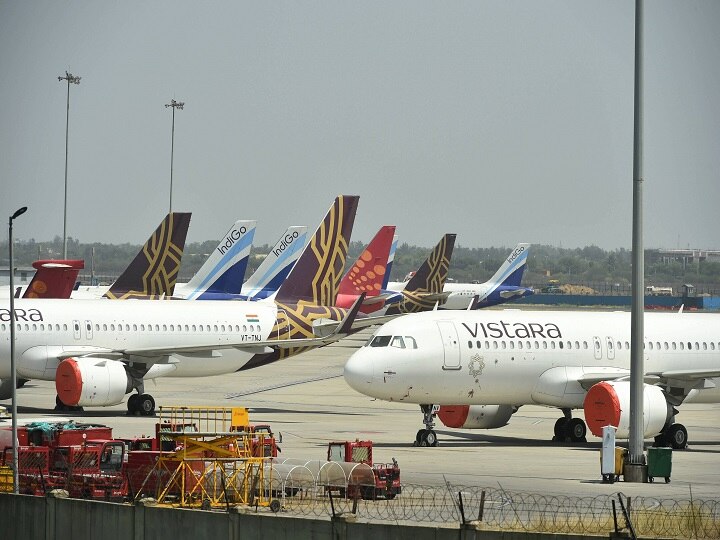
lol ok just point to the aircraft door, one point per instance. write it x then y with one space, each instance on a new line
77 331
451 345
610 348
88 330
597 347
282 325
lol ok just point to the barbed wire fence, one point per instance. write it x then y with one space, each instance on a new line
520 511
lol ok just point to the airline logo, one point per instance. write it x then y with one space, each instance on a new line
230 239
515 254
502 329
285 243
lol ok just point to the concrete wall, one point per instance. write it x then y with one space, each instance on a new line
24 517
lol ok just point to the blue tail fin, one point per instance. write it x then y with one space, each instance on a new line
223 272
266 280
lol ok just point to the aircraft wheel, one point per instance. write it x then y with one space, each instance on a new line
577 430
419 437
677 436
132 404
275 506
431 438
560 429
146 405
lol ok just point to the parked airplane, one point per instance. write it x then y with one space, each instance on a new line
96 352
367 274
487 363
503 287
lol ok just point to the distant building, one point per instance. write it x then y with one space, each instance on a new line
23 275
684 256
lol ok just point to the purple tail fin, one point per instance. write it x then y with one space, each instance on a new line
154 270
316 276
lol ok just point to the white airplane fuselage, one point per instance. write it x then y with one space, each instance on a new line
152 332
525 357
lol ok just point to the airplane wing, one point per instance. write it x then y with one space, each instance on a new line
682 379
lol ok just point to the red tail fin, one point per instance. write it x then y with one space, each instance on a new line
54 278
367 273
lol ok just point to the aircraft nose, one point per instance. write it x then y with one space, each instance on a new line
359 371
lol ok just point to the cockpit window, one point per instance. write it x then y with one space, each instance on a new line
410 342
398 342
380 341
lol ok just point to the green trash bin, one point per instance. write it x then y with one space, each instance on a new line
659 463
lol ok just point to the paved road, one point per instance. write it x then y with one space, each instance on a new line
306 399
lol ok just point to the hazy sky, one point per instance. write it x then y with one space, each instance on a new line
500 121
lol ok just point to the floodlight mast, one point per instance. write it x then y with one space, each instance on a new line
175 105
13 371
71 79
636 471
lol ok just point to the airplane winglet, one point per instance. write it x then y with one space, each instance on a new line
345 326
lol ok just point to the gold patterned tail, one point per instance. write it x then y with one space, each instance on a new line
154 271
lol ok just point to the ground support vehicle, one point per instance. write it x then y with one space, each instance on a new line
83 459
211 464
386 475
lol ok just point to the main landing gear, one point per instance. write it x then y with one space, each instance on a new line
427 436
569 429
673 435
141 405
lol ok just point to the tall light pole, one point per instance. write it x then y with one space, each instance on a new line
175 105
13 373
70 78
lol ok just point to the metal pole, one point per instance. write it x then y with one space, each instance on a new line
67 133
70 78
175 105
638 472
172 155
13 372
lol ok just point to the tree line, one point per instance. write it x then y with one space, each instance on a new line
603 270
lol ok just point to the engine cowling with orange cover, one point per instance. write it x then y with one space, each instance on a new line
475 416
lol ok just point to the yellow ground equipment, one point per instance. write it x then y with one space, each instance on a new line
211 462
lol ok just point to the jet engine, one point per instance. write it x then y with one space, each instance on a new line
475 416
608 404
92 382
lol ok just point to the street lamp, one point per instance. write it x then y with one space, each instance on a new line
70 78
13 373
175 105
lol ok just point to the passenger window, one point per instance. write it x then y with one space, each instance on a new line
544 344
512 344
585 344
520 344
503 344
469 344
689 345
560 344
577 344
651 345
398 342
674 345
495 345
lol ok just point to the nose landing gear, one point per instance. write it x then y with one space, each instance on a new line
427 436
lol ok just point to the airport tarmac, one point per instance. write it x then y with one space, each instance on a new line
305 398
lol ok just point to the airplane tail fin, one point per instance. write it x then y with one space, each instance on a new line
268 277
391 259
154 271
315 278
224 270
425 288
369 270
511 271
54 278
